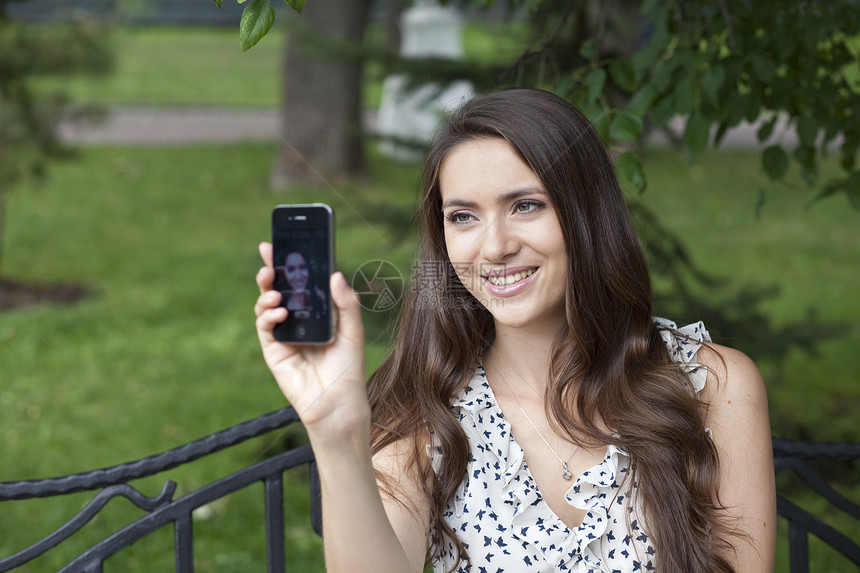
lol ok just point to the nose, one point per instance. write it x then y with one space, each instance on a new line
499 241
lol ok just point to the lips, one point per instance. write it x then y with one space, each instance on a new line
508 282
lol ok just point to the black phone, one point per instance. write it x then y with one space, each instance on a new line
303 257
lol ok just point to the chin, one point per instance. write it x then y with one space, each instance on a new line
511 317
515 316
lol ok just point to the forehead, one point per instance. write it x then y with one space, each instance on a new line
481 166
295 258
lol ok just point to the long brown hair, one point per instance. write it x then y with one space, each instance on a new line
610 368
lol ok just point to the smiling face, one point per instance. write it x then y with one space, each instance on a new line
503 235
297 271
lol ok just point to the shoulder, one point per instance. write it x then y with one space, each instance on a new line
732 375
401 470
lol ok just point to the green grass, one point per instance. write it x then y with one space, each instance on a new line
185 66
175 66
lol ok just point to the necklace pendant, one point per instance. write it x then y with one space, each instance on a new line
566 474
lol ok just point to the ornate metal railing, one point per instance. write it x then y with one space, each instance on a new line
162 510
790 456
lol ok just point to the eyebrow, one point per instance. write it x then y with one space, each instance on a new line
503 198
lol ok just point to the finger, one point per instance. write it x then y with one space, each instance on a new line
266 253
265 278
349 311
267 300
268 319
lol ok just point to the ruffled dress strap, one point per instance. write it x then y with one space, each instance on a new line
683 345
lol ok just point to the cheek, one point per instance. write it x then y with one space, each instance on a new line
462 261
460 247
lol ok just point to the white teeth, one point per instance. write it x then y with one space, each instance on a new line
510 279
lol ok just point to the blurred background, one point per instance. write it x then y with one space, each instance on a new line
142 150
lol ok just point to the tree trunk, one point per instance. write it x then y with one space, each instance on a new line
322 84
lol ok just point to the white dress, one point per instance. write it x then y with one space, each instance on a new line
501 517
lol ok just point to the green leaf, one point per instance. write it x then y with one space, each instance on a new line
784 43
775 162
219 2
805 154
722 128
588 48
630 170
753 102
663 111
645 60
592 110
759 204
697 133
852 189
736 108
828 190
622 73
849 154
594 81
685 97
296 5
642 100
849 185
764 68
764 132
625 126
807 129
257 20
711 82
601 125
661 76
566 85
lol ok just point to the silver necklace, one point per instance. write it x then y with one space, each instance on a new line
565 473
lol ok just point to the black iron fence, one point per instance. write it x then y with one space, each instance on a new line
164 511
793 457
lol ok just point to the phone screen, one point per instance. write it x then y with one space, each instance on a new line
303 257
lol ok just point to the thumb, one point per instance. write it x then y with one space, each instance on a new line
349 322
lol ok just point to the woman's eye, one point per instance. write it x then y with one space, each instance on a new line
527 206
459 217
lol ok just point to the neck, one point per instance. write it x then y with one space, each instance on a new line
523 356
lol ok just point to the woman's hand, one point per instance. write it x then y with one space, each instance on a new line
324 383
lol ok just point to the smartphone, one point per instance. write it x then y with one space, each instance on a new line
303 257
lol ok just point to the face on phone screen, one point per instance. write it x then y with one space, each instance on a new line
301 239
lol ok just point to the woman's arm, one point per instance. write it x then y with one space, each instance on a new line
362 530
738 417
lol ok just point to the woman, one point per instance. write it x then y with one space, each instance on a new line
300 297
532 416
